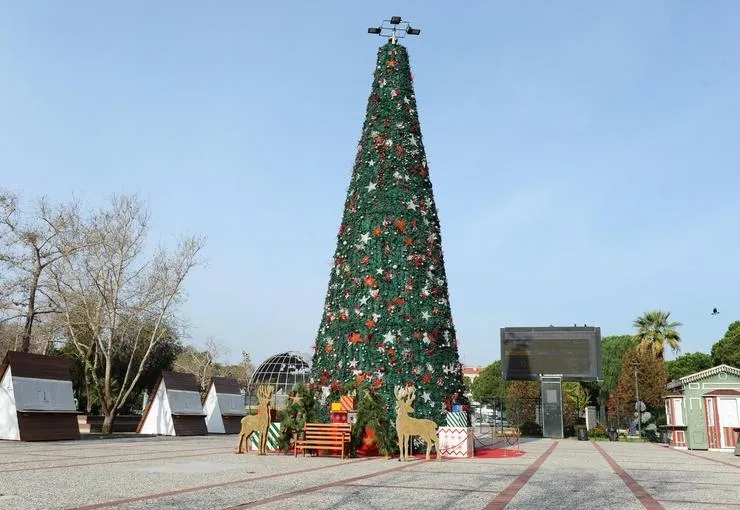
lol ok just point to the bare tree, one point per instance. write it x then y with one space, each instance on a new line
202 364
242 371
112 295
29 245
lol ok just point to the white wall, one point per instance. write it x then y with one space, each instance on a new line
8 415
159 419
214 421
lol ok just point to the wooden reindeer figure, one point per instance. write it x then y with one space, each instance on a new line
259 423
406 426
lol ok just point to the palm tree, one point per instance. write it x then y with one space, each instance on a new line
654 332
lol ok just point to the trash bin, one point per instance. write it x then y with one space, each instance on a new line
665 437
613 434
582 434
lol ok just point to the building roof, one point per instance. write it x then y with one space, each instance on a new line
732 393
471 370
226 386
709 373
39 366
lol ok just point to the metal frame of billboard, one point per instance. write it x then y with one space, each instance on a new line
592 333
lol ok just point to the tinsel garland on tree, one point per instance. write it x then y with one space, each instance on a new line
387 318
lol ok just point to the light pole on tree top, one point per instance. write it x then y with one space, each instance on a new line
394 28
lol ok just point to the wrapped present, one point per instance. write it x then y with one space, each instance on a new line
457 419
339 417
336 406
456 442
273 435
457 408
348 403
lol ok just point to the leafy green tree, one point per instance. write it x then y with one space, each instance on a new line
387 318
655 331
687 364
613 349
489 384
727 350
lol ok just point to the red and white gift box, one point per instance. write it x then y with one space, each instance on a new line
456 442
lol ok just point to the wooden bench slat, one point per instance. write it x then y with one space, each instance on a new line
324 436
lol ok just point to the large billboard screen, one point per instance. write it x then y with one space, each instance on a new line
573 352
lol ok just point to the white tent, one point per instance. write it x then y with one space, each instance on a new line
175 408
36 398
224 406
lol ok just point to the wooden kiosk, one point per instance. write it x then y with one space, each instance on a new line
36 398
224 406
174 408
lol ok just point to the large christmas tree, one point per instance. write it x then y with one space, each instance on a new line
387 318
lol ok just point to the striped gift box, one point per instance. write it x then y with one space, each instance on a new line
273 433
457 419
348 403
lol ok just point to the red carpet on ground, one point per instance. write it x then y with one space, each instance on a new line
484 453
497 453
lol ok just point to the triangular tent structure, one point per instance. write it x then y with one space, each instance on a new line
174 408
224 406
36 398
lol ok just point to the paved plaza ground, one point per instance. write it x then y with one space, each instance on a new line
204 472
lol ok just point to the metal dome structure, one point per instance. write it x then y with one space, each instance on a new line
283 371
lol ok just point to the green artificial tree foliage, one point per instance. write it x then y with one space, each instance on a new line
727 350
301 409
373 412
387 318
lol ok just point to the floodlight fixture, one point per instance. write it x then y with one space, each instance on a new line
394 28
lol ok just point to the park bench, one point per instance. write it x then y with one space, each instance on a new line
324 436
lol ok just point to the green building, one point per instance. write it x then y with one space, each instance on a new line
703 409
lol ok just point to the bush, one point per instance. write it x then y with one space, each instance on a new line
598 432
530 429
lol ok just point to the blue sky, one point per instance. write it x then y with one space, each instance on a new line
584 157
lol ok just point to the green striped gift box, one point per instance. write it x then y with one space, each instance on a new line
272 437
457 420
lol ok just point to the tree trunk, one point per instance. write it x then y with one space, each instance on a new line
31 311
108 421
88 400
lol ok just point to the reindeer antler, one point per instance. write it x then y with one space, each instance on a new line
411 394
264 392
